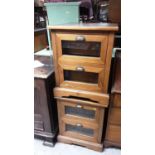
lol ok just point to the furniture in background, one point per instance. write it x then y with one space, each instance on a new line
82 57
40 31
40 39
114 11
113 132
114 16
45 110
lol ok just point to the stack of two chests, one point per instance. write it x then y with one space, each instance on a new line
82 58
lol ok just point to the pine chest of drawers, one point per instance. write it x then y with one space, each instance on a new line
82 58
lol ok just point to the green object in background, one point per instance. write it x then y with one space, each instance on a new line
63 13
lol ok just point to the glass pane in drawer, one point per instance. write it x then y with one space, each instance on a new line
80 76
80 129
80 112
79 48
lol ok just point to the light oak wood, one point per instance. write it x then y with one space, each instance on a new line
71 103
88 38
89 145
55 58
68 62
93 104
86 27
94 65
108 62
96 124
102 99
82 59
88 125
81 86
99 65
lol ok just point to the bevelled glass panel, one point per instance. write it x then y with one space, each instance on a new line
80 76
80 129
80 112
83 48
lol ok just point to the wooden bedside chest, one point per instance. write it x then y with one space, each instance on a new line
45 110
113 132
82 58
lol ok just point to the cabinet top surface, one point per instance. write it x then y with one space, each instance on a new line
44 67
86 26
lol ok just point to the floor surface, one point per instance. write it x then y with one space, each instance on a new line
66 149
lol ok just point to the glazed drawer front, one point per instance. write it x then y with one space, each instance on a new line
81 44
81 61
80 130
76 109
79 77
115 116
114 134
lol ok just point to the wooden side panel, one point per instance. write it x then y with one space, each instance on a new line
108 62
114 134
115 116
55 57
116 100
41 111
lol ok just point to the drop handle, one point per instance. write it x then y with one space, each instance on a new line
80 68
80 38
79 125
79 106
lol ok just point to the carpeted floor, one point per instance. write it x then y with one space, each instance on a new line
66 149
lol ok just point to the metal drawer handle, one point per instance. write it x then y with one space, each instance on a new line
79 125
80 69
80 38
79 106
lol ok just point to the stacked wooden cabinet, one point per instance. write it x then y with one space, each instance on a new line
82 58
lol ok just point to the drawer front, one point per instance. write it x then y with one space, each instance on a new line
116 100
79 78
80 119
81 61
115 116
80 44
114 134
80 129
78 110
